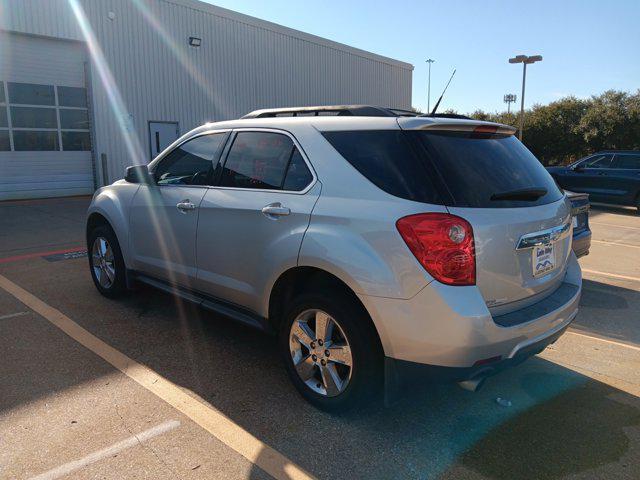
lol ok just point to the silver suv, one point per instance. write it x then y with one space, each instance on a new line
381 248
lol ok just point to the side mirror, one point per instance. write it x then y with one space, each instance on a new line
578 168
138 174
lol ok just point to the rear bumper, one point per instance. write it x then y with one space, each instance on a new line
450 331
402 372
581 243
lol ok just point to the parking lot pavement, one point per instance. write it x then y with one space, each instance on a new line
225 408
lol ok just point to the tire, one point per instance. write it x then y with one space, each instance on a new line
364 378
109 286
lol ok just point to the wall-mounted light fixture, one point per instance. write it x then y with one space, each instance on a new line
195 41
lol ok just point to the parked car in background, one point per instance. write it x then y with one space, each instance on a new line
378 247
580 218
611 176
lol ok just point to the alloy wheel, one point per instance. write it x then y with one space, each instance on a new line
103 262
320 352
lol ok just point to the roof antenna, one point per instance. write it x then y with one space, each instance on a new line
433 112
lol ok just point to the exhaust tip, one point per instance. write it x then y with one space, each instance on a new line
472 385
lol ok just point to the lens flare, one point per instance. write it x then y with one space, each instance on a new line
151 197
181 54
109 84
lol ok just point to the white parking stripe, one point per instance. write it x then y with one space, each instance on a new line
604 242
613 225
209 418
605 340
94 457
13 315
612 275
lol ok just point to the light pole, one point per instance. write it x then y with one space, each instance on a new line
510 98
429 61
525 60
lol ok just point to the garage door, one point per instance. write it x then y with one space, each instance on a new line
45 146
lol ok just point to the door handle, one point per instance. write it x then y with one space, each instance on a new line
274 210
185 206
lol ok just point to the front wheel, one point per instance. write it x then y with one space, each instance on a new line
330 352
106 262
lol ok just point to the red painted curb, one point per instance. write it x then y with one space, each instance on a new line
39 254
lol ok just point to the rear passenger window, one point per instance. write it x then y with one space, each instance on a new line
298 174
265 160
386 159
628 162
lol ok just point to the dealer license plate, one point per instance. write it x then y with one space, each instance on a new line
544 259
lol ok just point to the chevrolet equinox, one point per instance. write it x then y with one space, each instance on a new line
382 248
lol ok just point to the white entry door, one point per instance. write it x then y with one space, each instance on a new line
161 135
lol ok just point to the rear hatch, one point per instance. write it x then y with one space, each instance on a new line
521 220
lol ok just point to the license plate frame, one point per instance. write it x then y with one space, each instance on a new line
543 259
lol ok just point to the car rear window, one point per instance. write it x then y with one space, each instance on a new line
387 159
476 167
452 168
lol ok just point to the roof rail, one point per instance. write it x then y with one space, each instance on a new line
345 110
341 110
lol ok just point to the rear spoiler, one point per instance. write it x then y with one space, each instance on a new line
425 123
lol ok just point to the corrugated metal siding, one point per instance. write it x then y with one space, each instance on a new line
243 64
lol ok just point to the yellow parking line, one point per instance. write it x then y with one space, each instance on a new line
612 275
604 242
209 418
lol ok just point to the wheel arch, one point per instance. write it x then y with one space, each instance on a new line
95 219
300 279
108 208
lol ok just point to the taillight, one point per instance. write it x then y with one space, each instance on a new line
443 244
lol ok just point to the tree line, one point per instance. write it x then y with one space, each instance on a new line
571 128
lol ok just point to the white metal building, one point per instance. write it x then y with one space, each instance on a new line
86 85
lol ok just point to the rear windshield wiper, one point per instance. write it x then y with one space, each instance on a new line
525 194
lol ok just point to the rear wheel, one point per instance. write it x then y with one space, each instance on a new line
330 352
106 262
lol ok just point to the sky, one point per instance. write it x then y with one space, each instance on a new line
587 46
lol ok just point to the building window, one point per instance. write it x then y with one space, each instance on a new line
31 94
35 140
5 143
72 97
3 117
74 119
37 117
76 141
5 140
33 117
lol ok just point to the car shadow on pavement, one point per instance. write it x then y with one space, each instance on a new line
559 422
584 429
599 209
607 311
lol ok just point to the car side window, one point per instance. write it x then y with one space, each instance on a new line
598 161
265 160
191 163
298 175
627 162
